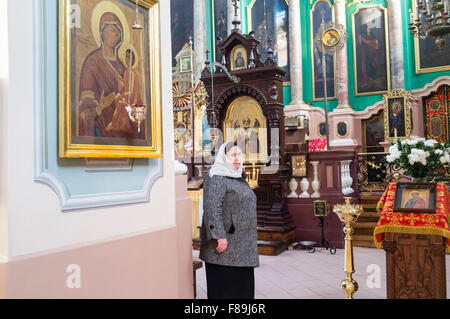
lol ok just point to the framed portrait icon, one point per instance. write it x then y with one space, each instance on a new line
397 115
371 50
299 165
185 64
238 58
415 198
109 90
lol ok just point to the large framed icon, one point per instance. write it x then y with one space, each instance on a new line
109 80
371 50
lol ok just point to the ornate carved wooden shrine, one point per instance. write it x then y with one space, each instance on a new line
252 110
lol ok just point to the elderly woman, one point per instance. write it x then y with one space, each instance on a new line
228 234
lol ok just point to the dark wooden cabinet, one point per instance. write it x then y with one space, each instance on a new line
261 82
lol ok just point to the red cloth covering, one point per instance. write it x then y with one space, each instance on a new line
409 223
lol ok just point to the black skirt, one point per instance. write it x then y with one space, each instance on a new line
225 282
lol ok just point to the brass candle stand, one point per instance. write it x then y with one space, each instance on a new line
252 175
348 214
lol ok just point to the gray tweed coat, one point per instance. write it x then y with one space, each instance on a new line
229 211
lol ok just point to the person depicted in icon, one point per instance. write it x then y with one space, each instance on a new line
229 243
130 90
239 62
370 54
101 81
396 119
415 201
247 137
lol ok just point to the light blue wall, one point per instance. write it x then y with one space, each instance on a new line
72 172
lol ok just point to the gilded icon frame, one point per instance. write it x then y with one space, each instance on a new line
248 107
233 55
346 129
390 98
319 129
387 47
66 91
299 165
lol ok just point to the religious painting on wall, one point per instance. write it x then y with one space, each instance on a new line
373 175
322 12
397 116
429 58
371 50
182 25
373 134
269 19
109 80
220 24
246 124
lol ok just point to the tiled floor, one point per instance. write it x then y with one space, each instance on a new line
300 275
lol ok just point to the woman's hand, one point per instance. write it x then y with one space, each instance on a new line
221 245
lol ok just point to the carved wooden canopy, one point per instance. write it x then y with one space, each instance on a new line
262 81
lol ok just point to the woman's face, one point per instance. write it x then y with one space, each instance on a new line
111 36
234 155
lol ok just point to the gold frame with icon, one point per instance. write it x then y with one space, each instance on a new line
391 98
299 165
242 108
234 55
74 46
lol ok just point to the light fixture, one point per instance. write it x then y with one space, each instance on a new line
432 20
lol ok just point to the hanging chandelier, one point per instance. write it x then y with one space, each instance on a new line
432 20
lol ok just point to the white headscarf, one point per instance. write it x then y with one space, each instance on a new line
222 166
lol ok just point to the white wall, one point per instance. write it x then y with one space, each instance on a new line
3 130
36 223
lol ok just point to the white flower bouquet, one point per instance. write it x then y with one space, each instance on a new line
419 158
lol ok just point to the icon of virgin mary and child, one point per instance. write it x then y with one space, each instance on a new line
109 86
